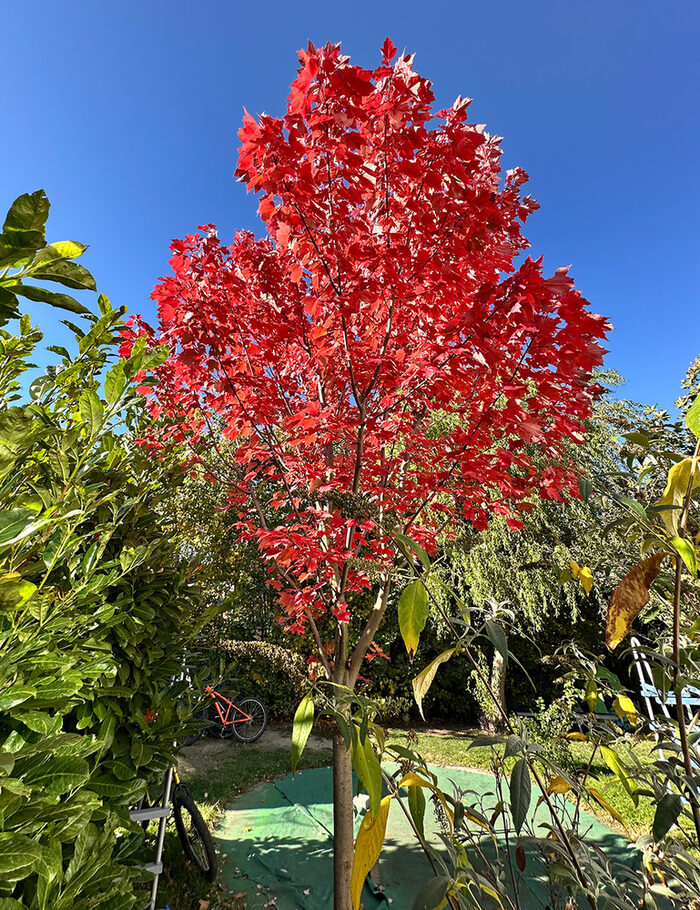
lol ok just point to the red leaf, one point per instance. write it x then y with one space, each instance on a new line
266 209
388 50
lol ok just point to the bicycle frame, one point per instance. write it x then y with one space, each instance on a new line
227 718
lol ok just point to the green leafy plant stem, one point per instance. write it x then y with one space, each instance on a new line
533 769
676 640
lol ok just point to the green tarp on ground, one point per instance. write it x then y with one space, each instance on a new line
276 841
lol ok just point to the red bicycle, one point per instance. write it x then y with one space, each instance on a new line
245 717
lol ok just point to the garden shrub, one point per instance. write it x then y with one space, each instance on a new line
93 609
275 674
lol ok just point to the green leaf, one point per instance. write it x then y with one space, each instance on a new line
28 213
416 805
520 793
686 551
668 809
409 544
413 614
40 722
369 771
432 895
8 304
424 680
7 762
40 386
15 425
639 439
632 505
70 274
50 870
91 411
141 753
41 295
692 418
15 592
19 855
58 775
68 249
482 741
303 722
497 637
155 357
115 382
514 745
15 525
585 487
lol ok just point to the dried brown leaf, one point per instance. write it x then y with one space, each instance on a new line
630 597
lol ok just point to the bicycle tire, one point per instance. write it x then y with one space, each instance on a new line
250 731
195 838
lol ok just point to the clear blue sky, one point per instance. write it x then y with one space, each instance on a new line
126 113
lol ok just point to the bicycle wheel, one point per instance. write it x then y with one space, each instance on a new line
251 729
195 837
203 717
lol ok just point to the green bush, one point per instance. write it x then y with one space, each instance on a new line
93 610
274 674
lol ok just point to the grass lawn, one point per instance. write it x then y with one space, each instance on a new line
217 771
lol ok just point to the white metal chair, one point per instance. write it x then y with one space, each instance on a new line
652 695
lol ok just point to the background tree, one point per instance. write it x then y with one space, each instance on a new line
534 572
325 350
232 578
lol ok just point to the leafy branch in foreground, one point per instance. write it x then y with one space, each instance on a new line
26 257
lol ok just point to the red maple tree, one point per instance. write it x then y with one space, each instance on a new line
379 361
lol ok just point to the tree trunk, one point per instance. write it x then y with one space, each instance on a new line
492 721
343 829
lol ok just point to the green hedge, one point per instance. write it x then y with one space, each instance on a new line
275 674
93 610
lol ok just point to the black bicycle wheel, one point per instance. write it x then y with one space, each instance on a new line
209 722
249 729
195 837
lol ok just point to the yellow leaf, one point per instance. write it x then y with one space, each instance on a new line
674 494
613 762
559 785
624 707
597 795
577 737
575 571
586 578
630 597
591 695
368 846
424 680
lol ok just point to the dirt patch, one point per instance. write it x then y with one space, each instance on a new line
211 754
